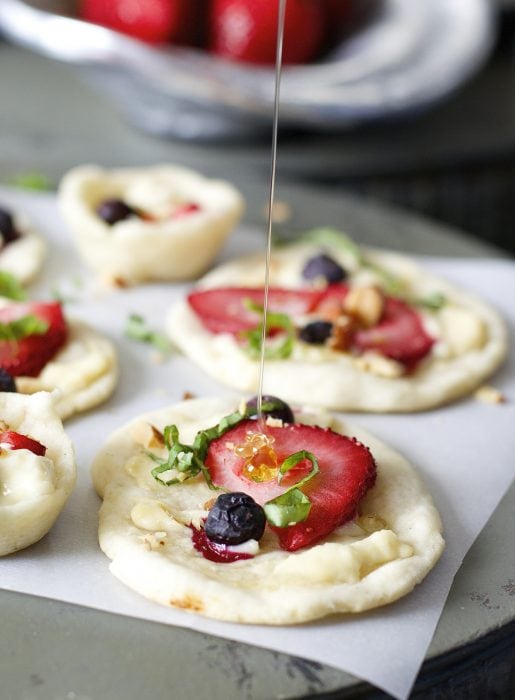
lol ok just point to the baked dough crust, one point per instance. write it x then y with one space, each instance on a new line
335 380
26 520
82 374
351 571
134 250
23 258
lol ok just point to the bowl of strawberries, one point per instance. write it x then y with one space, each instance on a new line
204 69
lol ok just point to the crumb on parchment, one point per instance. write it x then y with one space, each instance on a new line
489 394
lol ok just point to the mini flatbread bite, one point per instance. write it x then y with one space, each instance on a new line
166 542
350 329
44 351
134 225
37 469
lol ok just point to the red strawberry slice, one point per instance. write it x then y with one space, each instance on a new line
29 355
331 304
246 30
185 210
153 21
347 471
223 310
399 335
17 441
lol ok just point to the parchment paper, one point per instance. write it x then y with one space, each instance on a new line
464 452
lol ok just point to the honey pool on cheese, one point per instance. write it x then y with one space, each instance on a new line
33 489
145 530
471 340
158 245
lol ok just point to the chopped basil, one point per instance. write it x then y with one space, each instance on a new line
333 238
433 302
32 180
279 350
22 328
189 459
10 287
292 506
137 329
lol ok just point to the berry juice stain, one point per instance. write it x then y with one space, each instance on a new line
219 553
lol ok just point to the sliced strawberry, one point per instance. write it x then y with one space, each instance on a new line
185 210
347 471
29 355
17 441
399 335
246 30
331 303
153 21
223 310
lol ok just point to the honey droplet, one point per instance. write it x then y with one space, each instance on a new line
260 458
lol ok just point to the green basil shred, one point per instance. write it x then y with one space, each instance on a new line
280 350
137 329
22 328
189 460
10 287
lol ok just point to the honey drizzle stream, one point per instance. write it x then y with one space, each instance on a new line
278 71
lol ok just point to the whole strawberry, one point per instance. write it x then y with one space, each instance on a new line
246 30
153 21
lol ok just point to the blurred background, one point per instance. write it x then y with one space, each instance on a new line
404 102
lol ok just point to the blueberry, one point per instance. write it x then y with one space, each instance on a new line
323 266
316 332
271 406
7 382
7 227
235 518
114 210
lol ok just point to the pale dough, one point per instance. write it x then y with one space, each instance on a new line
33 490
82 374
23 258
135 250
143 529
472 342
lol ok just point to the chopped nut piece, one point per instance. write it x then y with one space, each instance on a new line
366 304
3 425
192 517
281 212
379 365
274 422
188 395
341 336
147 435
153 540
111 281
489 394
209 504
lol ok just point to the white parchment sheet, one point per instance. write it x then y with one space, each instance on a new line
464 452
